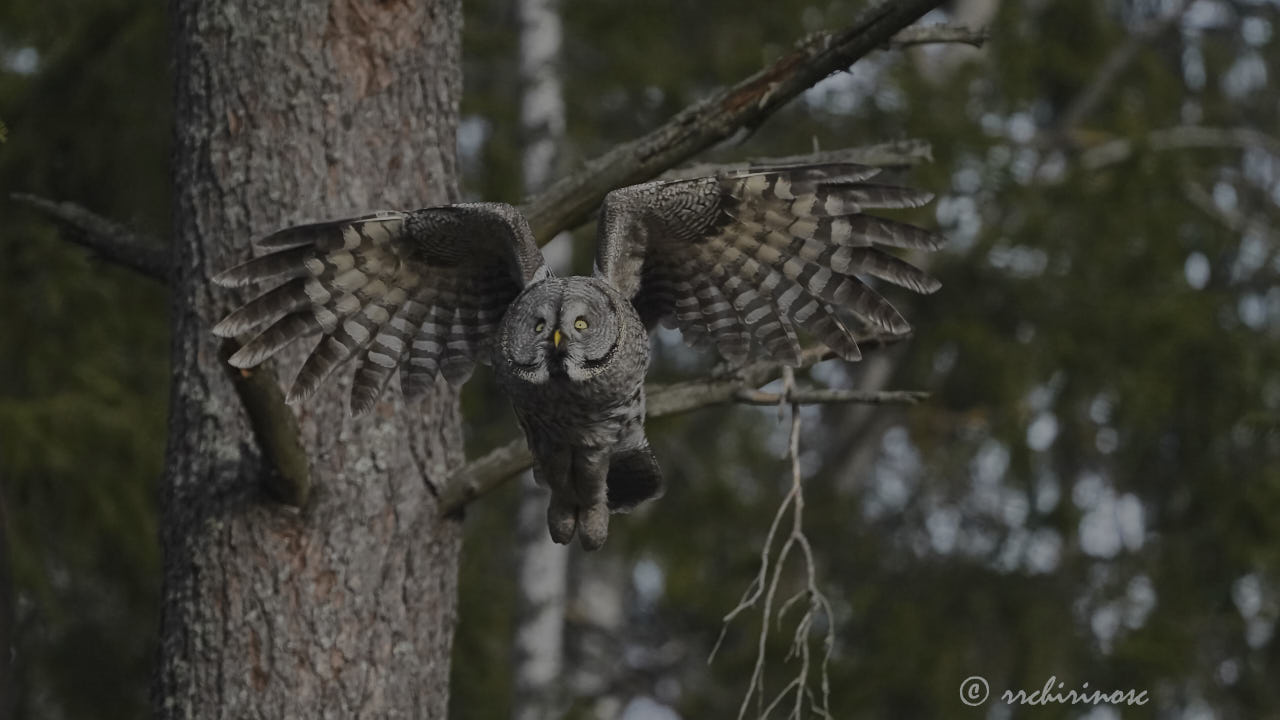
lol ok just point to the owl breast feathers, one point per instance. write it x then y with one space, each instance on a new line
742 262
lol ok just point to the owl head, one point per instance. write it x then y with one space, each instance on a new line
560 328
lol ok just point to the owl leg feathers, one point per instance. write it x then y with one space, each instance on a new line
590 468
587 484
552 469
579 500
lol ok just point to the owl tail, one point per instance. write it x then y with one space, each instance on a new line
634 476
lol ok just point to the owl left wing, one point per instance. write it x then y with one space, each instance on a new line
744 259
423 291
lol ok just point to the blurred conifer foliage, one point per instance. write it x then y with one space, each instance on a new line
83 354
1091 494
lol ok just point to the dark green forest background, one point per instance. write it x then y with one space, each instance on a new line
1092 492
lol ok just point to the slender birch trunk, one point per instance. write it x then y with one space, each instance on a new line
542 566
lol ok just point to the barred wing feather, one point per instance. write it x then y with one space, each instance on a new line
421 291
743 260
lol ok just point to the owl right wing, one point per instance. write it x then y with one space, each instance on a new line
743 259
423 291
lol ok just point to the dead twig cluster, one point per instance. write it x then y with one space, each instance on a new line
797 694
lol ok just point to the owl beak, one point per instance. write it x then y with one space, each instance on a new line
555 339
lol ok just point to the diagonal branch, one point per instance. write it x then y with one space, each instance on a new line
115 242
946 33
487 473
287 471
830 396
571 201
108 239
899 153
288 474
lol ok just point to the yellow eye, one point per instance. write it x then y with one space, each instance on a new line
539 327
580 324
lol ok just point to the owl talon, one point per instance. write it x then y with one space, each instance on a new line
593 526
562 520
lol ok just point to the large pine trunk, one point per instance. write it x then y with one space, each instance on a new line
289 112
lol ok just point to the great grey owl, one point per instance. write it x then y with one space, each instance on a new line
741 261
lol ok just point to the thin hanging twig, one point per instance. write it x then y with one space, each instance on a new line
765 586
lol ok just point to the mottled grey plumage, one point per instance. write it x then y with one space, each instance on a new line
577 384
740 262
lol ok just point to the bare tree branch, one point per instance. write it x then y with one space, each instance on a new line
945 33
571 201
900 153
115 242
486 473
832 396
106 238
1183 137
288 470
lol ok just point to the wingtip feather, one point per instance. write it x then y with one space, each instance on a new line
244 358
933 240
363 400
227 328
853 353
229 278
299 394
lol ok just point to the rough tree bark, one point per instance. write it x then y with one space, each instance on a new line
289 112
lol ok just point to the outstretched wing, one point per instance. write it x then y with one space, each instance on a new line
742 260
421 290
